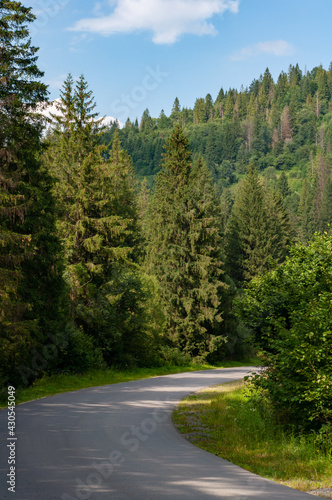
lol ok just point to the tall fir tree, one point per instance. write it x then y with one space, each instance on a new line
283 186
304 212
280 224
184 247
257 231
97 223
32 289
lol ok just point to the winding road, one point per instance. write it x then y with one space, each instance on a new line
117 442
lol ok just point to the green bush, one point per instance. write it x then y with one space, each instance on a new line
289 311
173 356
79 353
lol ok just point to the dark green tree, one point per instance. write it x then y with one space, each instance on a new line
163 122
280 225
97 223
176 111
304 211
219 103
147 123
209 107
255 232
283 185
32 289
184 248
265 94
248 246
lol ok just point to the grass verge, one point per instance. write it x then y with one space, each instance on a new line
65 382
223 420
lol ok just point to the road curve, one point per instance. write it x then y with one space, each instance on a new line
117 442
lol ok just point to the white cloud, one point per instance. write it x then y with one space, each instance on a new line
167 19
108 120
276 48
50 108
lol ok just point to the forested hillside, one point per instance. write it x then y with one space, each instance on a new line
100 267
283 127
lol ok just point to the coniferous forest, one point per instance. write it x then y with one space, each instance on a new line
201 235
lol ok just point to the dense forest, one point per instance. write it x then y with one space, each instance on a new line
201 235
284 128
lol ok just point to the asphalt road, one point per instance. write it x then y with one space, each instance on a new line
118 442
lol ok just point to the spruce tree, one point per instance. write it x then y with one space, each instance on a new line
258 230
32 288
184 247
283 186
97 223
280 224
304 211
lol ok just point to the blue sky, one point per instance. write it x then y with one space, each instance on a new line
138 54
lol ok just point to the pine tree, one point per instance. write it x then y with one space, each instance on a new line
254 235
184 247
176 111
32 288
200 111
264 93
97 223
229 103
147 124
209 107
304 211
163 121
219 103
143 203
280 224
283 186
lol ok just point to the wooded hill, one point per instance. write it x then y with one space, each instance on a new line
284 128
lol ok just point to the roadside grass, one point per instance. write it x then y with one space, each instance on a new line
225 421
65 382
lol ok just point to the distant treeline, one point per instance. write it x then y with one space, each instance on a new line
283 126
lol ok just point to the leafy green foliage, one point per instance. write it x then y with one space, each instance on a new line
289 311
79 353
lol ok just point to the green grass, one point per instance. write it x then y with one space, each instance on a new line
230 425
56 384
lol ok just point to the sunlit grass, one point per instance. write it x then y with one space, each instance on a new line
235 430
65 382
